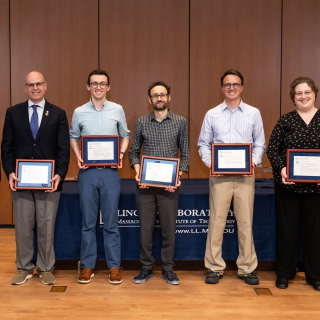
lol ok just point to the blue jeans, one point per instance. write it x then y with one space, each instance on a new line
99 188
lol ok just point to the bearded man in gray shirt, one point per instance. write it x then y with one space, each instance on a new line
161 133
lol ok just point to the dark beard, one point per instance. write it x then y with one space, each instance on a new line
164 107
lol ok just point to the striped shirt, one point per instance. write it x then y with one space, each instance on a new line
222 125
110 120
161 139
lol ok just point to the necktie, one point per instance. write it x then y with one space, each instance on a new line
34 124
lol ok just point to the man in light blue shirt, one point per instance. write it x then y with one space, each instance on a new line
233 121
99 187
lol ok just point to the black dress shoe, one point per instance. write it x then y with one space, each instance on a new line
316 285
282 283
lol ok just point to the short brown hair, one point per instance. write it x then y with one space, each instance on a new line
232 72
159 83
98 72
300 80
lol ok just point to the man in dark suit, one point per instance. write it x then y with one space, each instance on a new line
35 129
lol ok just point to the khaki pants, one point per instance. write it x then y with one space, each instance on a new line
222 190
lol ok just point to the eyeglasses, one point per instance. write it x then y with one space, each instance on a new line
37 85
156 96
96 84
300 94
235 85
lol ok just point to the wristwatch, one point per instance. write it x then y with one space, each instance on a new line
123 154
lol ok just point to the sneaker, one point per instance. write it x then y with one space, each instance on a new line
47 277
21 277
86 275
249 278
170 277
115 275
213 277
143 275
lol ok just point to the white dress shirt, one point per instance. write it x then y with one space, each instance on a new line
223 125
39 110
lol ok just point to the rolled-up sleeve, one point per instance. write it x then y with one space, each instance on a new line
122 126
75 130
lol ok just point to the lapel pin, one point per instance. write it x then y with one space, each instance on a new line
47 113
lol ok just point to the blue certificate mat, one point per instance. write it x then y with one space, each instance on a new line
304 166
218 152
34 174
159 172
93 149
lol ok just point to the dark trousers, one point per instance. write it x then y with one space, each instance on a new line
149 201
294 209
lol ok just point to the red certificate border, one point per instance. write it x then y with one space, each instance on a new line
213 145
159 158
109 164
33 188
288 165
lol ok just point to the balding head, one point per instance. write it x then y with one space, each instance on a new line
35 86
34 76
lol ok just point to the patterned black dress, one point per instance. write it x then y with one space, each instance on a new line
291 132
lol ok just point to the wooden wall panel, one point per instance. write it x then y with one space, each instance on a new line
300 46
243 35
142 41
5 193
59 39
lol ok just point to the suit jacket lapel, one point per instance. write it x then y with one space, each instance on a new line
25 117
45 118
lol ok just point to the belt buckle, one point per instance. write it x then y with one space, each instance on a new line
100 167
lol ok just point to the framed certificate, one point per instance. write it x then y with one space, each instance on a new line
100 150
231 158
159 172
34 174
303 165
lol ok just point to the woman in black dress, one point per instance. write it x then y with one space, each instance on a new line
296 203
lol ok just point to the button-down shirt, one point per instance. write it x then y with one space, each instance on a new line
110 120
39 109
161 139
242 125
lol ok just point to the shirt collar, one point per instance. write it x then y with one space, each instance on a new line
169 116
103 105
241 106
40 104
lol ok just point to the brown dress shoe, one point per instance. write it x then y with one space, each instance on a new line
115 275
86 275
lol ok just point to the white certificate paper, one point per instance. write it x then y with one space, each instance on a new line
231 159
161 172
100 150
34 174
306 166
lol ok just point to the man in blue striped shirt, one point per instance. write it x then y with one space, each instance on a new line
232 121
99 187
